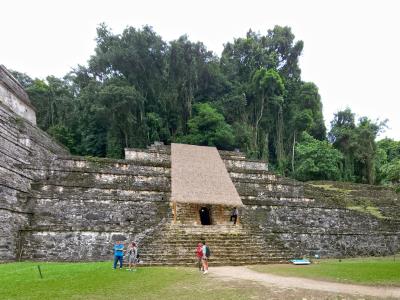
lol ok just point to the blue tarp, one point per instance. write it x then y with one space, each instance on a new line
300 261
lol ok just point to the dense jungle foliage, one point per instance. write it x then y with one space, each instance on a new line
138 88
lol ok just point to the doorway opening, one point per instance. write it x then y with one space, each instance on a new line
205 216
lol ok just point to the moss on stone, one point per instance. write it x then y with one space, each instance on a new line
372 210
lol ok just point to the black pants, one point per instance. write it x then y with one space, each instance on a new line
234 217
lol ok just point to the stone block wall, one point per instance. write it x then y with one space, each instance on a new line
188 213
83 205
310 219
21 144
13 95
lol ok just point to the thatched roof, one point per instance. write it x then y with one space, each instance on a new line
199 176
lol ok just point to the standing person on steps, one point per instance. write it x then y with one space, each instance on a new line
206 255
199 255
234 215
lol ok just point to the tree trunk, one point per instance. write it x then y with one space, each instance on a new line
258 119
293 147
279 138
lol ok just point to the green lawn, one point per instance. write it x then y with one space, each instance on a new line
368 271
100 281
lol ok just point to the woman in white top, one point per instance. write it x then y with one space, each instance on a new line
132 256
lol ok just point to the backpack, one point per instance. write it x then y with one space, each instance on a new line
208 252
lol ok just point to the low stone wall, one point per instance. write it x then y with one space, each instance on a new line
70 245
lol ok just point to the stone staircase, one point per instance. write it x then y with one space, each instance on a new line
176 244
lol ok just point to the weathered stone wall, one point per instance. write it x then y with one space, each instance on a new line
320 218
21 144
188 213
329 219
13 95
83 205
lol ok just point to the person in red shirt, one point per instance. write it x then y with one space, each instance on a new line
199 255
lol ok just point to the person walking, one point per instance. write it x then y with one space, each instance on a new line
132 256
199 255
118 254
206 254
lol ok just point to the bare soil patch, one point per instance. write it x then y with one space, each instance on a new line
282 287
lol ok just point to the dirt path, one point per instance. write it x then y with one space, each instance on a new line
303 283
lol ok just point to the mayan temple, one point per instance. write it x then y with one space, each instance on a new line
167 198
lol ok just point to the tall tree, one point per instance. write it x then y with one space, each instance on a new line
267 86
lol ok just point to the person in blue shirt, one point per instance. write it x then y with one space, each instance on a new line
118 254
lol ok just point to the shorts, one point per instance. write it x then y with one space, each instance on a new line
132 259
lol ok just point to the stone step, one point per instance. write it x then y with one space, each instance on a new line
225 245
243 256
239 261
152 187
229 247
216 252
216 236
213 258
212 264
97 162
222 245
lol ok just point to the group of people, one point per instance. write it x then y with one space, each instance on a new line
202 251
203 254
132 253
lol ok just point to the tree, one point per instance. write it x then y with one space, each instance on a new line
63 135
310 102
267 86
316 160
387 162
342 136
208 128
138 88
357 143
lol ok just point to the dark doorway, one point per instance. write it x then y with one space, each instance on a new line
205 216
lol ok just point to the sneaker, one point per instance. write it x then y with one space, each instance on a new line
205 272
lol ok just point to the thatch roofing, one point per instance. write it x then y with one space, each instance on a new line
199 175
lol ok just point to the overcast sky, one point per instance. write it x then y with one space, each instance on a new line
351 48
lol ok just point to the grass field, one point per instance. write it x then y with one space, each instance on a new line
368 271
100 281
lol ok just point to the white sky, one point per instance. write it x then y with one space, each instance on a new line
352 48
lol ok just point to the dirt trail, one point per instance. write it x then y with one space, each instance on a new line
303 283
